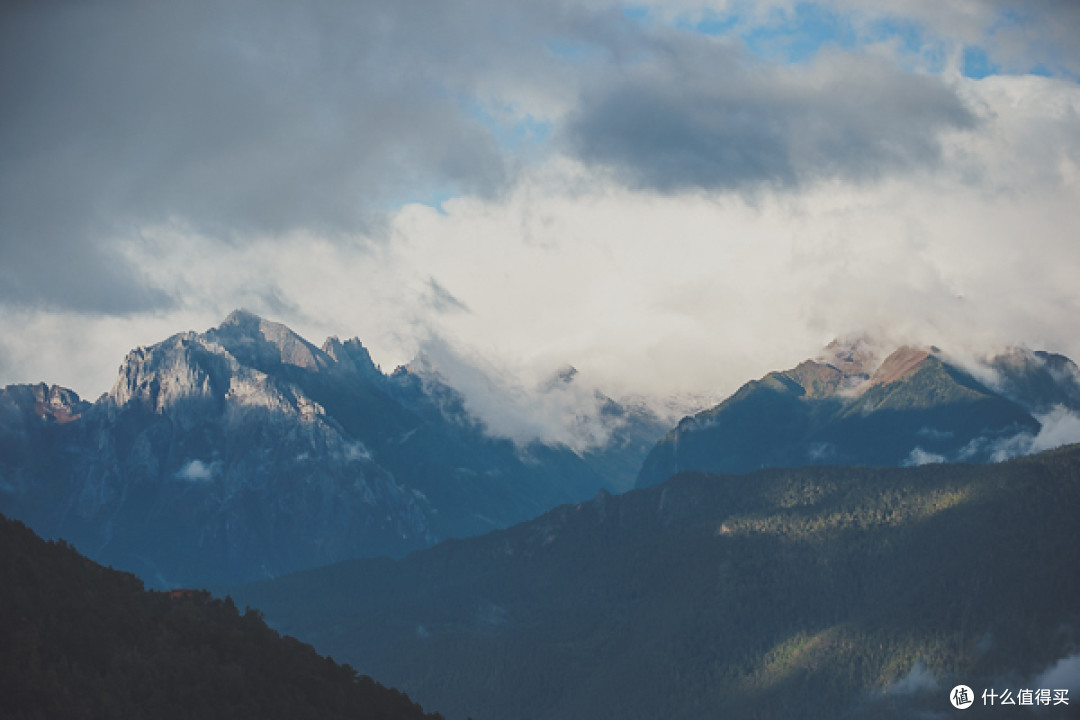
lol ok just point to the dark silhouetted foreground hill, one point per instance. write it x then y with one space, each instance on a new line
78 640
818 592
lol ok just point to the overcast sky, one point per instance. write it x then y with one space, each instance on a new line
674 197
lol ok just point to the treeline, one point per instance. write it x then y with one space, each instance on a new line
78 640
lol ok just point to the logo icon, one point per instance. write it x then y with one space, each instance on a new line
961 697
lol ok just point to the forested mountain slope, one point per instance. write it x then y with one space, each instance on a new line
819 592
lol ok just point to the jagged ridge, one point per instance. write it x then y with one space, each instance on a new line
246 451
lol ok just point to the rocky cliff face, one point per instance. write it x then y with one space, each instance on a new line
200 467
24 407
247 452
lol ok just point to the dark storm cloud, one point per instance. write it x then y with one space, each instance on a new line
230 118
698 117
242 118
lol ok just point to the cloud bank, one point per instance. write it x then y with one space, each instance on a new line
696 119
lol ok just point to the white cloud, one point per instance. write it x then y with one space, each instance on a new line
918 456
356 452
918 680
196 471
1062 675
1059 427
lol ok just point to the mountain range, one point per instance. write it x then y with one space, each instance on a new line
841 539
245 452
858 406
818 592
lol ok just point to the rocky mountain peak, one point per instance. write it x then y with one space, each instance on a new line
900 363
350 355
266 345
865 403
864 362
21 405
333 347
179 368
241 317
57 404
816 378
853 356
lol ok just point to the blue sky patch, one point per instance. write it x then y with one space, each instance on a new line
637 13
798 36
516 134
909 33
793 37
976 63
711 23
